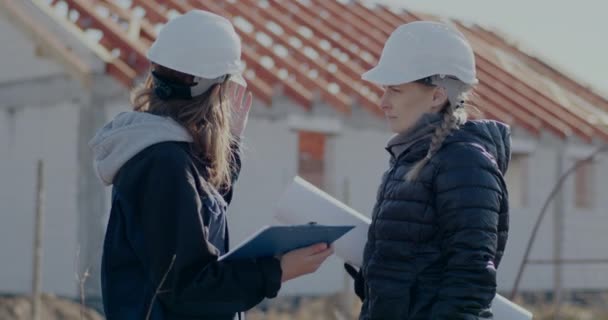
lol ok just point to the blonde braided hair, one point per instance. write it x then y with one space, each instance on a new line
453 117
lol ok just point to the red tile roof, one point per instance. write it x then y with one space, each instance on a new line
317 49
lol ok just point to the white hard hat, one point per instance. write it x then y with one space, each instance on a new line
202 44
421 49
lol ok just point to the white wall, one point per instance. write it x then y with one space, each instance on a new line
270 161
357 160
360 160
33 133
39 119
584 230
585 235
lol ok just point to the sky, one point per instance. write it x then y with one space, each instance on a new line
569 35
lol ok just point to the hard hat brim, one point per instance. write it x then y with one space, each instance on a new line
385 77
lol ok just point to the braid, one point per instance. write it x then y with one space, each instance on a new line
449 122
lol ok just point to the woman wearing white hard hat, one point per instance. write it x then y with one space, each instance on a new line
172 163
439 226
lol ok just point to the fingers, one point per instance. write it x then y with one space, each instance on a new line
310 250
248 102
324 254
237 93
233 90
304 261
317 248
318 259
240 92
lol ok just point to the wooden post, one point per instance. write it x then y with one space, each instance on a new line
39 222
558 237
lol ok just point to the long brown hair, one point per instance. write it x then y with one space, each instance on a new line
206 117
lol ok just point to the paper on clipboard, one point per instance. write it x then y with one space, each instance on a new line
303 203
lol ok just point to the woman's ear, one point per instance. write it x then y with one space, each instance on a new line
440 98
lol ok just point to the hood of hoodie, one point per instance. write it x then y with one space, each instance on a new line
128 134
492 136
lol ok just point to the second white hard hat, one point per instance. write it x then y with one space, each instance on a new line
422 49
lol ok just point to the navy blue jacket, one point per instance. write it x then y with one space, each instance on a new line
167 226
434 244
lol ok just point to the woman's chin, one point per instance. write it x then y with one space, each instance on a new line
395 127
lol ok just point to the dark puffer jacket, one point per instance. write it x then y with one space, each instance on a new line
434 244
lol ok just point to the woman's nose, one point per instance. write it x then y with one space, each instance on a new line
384 104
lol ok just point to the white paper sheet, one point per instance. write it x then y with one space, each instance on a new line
504 309
302 202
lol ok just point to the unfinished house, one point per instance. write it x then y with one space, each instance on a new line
67 67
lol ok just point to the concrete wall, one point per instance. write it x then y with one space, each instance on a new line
270 162
583 237
26 135
35 125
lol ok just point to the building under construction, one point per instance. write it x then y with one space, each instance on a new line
67 67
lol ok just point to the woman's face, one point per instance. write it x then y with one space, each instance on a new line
404 104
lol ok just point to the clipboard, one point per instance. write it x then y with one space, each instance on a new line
272 241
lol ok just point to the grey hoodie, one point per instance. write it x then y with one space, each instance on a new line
128 134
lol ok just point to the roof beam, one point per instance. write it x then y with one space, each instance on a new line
114 66
338 100
368 36
47 41
346 75
347 40
133 52
139 28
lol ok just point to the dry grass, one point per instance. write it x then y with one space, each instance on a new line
585 307
320 308
13 307
325 308
569 312
330 308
